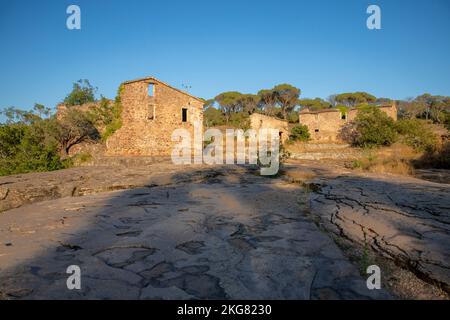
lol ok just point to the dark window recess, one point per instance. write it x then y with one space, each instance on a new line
317 130
343 116
151 112
184 115
151 89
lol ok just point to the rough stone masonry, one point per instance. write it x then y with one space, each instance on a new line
325 125
152 110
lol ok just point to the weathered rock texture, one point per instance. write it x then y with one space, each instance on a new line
61 109
152 110
121 173
404 219
215 232
325 125
228 235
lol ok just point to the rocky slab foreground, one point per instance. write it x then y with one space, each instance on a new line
404 219
202 234
21 189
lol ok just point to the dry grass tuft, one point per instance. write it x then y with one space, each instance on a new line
396 159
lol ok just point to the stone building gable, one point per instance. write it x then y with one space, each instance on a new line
152 110
156 81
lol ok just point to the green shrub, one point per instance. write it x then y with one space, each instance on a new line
114 121
416 133
30 143
107 114
85 157
299 133
446 119
29 148
437 158
441 156
213 117
82 92
113 126
74 127
240 120
80 158
343 109
101 114
373 128
292 117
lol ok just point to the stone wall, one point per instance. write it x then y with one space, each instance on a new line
258 121
148 120
61 109
325 125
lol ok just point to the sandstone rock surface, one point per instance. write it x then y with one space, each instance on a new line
21 189
404 219
213 234
196 232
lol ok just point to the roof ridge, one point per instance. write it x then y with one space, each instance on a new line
337 110
265 115
164 83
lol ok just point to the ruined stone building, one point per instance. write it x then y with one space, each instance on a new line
259 121
325 125
152 110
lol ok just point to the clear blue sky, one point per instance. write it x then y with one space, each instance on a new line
322 47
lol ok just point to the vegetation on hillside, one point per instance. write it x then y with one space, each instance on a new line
314 104
299 133
417 134
82 92
371 127
438 157
354 99
414 142
107 115
233 108
428 107
283 101
28 142
37 140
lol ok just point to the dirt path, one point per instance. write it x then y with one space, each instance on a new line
223 235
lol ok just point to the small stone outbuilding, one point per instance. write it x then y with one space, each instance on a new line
259 121
325 125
